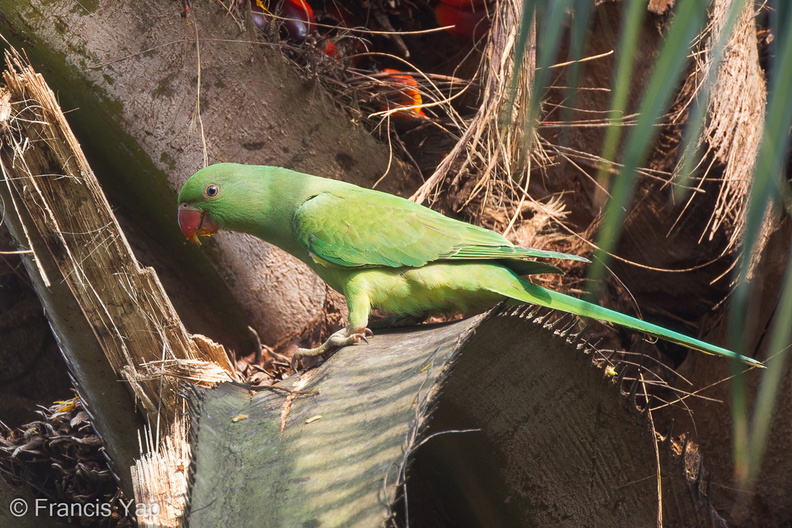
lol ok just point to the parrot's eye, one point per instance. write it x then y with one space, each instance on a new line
211 191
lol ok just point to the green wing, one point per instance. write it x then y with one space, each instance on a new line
362 227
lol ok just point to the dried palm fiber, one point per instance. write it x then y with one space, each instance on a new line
125 304
733 131
161 476
499 144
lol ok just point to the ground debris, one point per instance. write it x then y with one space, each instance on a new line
60 457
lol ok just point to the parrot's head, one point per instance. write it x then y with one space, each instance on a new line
212 198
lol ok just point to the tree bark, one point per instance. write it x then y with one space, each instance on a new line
498 420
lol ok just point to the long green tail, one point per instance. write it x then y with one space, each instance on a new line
558 301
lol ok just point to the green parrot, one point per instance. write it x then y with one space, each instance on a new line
383 251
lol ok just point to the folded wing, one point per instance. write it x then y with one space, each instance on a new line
363 228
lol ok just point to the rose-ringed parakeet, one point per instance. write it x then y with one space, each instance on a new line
383 251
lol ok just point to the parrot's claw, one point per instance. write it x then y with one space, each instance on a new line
344 337
360 336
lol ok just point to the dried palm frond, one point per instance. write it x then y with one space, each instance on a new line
733 131
498 144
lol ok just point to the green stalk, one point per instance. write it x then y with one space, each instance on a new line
688 19
578 38
765 191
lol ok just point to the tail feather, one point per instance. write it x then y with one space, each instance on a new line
531 293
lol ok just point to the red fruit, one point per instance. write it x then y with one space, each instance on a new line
403 91
260 14
330 48
340 43
344 48
467 24
298 19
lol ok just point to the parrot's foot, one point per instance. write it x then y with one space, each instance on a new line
344 337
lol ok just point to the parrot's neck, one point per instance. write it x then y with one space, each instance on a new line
282 193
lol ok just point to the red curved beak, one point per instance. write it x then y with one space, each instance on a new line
195 223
